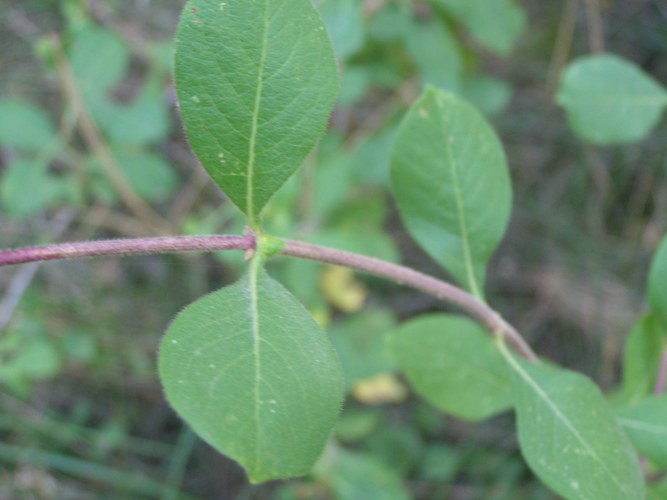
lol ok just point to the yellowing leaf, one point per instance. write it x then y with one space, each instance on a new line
341 289
380 389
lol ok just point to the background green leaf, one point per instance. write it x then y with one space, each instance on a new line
255 89
452 363
254 376
99 60
25 126
345 25
27 187
609 100
451 182
657 282
496 24
641 357
489 94
436 54
569 436
354 475
360 341
646 424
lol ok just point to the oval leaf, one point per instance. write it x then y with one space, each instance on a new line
255 90
452 363
657 282
450 178
569 436
25 126
251 372
646 424
436 54
496 24
609 100
641 358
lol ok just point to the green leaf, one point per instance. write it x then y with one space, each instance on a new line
345 25
145 120
255 90
27 188
657 491
25 126
360 341
657 282
569 436
390 23
646 424
489 94
436 53
609 100
453 364
356 475
99 60
452 185
150 176
251 372
495 24
641 357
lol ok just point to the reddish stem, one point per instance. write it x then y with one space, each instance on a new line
399 274
406 276
162 244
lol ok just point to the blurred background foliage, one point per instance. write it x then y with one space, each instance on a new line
91 147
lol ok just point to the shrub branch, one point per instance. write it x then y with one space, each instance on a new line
174 244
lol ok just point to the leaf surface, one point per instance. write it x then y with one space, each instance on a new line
569 436
25 126
251 372
609 100
360 341
452 363
345 25
26 187
496 24
646 424
641 357
255 89
657 282
436 53
452 185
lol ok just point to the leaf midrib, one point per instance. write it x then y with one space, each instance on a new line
559 415
254 317
250 202
640 425
460 212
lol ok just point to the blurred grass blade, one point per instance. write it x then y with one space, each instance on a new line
119 481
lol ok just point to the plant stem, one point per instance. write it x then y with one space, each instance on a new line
393 272
162 244
415 279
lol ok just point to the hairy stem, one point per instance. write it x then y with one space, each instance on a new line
420 281
393 272
162 244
